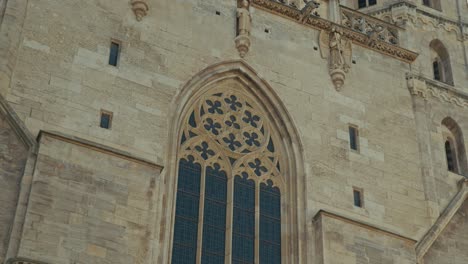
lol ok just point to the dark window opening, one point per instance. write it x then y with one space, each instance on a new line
357 198
114 53
366 3
436 68
106 119
353 138
427 2
450 156
361 3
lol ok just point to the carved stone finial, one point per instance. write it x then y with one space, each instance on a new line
244 25
140 8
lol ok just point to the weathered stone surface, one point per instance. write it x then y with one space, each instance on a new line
89 206
13 155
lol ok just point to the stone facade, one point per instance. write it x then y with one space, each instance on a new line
73 192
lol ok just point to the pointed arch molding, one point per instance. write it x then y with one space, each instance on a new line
287 137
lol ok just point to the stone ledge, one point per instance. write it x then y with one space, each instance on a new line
423 86
97 147
322 213
23 261
434 232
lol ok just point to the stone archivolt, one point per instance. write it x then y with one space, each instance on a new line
359 38
422 86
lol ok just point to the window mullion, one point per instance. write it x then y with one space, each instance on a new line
229 219
201 209
257 222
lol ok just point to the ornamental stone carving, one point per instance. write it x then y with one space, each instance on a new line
378 44
425 87
338 50
140 8
244 25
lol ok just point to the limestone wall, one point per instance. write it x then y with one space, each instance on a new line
61 81
89 206
346 242
13 156
451 246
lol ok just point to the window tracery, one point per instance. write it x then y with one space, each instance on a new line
229 181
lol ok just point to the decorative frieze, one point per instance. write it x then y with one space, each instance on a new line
401 13
424 87
374 28
371 41
140 8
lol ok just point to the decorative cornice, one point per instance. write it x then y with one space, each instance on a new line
423 87
410 12
356 37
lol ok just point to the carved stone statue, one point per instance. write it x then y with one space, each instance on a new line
244 25
244 18
338 51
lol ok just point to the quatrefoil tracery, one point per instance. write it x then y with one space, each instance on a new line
226 128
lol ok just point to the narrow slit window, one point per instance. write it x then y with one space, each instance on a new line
358 198
106 120
436 68
353 138
361 3
114 53
450 156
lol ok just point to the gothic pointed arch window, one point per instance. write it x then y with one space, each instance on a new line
441 66
454 147
229 183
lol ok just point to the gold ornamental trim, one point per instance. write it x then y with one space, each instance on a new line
315 22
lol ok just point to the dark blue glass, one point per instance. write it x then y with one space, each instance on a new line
114 53
270 224
105 120
186 220
214 216
243 249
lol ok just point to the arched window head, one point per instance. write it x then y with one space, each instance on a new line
441 66
229 188
454 147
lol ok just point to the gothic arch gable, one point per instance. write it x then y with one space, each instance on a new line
286 137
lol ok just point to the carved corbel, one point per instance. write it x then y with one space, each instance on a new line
338 51
417 87
140 8
244 26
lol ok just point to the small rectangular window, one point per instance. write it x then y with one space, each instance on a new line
427 2
353 138
361 3
114 53
106 119
372 2
358 197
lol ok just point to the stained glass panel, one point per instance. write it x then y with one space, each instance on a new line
186 219
214 225
270 224
244 221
